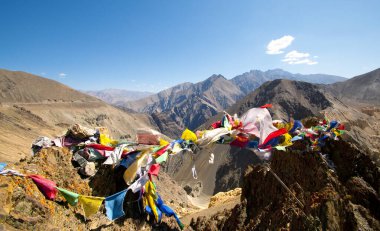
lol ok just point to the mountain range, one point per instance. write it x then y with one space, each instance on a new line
191 104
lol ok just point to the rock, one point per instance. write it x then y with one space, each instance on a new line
89 169
188 189
223 197
363 194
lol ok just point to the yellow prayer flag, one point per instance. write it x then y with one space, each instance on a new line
90 204
150 197
287 141
130 172
189 135
163 142
105 140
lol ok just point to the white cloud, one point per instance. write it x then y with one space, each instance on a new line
62 75
295 57
275 47
43 73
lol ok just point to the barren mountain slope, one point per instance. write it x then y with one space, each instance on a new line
158 102
360 89
32 106
193 106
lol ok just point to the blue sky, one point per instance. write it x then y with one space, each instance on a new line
151 45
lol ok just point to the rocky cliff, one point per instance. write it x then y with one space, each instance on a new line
337 191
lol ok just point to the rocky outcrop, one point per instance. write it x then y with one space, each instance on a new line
223 197
23 206
329 197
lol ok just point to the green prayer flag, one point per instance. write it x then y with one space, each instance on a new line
70 197
155 149
281 148
162 158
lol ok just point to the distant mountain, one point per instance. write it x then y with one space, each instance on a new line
188 105
363 88
251 80
288 97
32 106
118 96
159 102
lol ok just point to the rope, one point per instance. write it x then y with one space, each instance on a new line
284 185
291 193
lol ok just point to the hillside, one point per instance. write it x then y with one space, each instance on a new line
363 88
33 106
22 87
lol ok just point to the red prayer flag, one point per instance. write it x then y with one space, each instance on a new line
100 147
154 169
162 150
217 124
274 134
240 141
341 127
267 106
47 187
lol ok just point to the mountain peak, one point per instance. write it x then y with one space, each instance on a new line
277 71
215 77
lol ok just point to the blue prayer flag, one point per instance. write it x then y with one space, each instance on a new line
2 166
114 205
